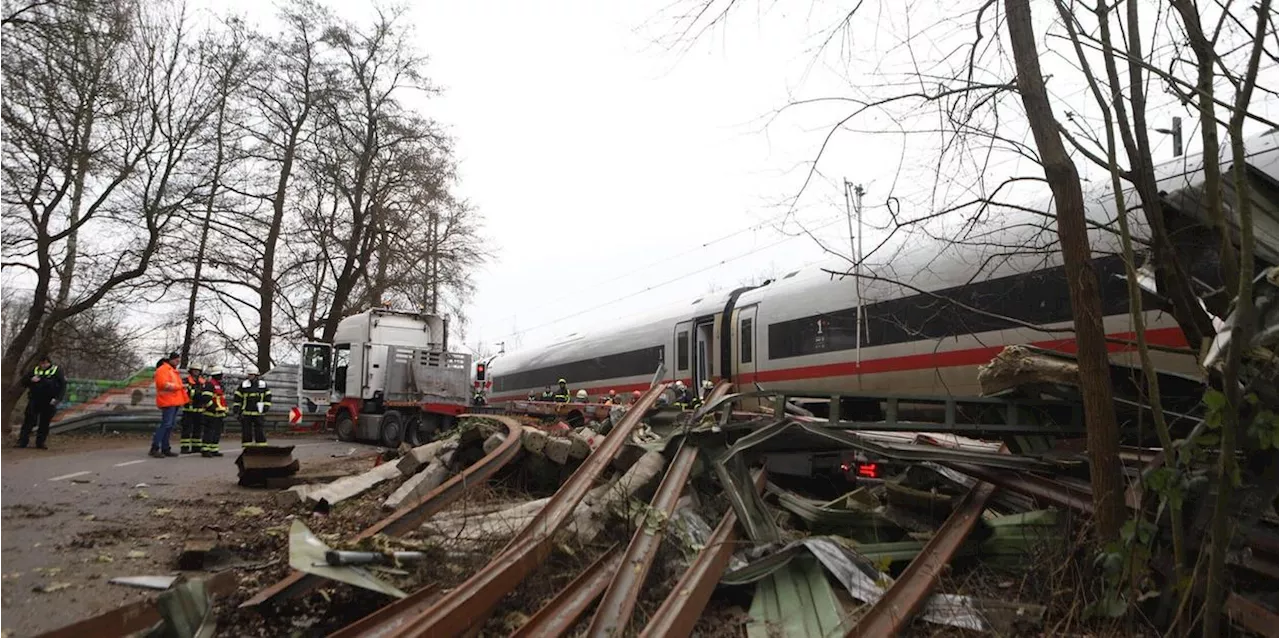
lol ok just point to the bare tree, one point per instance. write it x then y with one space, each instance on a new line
363 127
146 123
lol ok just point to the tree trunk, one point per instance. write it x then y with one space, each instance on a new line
189 330
1082 281
1241 332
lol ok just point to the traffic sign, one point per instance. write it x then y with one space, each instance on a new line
295 415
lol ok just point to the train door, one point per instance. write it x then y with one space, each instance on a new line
702 368
745 331
682 359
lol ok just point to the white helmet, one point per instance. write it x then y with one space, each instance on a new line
213 371
680 384
707 385
582 395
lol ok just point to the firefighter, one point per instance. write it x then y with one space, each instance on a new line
697 401
582 397
635 396
684 398
193 411
478 398
562 392
251 401
612 399
215 413
44 391
547 395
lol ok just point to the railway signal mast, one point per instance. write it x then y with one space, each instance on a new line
853 214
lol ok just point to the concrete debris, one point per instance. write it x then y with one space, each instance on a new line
345 488
421 483
145 582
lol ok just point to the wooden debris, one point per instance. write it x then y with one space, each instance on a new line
1018 366
196 549
257 464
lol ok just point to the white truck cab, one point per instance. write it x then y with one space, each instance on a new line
388 377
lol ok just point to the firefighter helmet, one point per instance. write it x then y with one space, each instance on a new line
582 395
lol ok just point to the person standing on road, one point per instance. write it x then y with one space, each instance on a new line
193 411
170 397
215 412
251 401
44 392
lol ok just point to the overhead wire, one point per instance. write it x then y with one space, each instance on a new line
672 280
592 285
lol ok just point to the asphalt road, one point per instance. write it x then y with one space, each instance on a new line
88 511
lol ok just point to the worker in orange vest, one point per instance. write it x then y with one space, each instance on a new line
170 397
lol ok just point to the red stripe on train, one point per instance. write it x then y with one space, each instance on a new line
1169 337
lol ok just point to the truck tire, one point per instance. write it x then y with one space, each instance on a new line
421 429
392 429
345 427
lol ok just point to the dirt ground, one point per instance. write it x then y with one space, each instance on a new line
64 540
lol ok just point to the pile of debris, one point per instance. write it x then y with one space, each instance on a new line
752 515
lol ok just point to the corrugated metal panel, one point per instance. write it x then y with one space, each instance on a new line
798 601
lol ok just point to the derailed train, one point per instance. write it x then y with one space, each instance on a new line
918 323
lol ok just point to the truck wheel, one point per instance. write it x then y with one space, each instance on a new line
346 428
421 429
392 429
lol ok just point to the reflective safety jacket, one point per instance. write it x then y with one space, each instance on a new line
195 391
561 395
213 398
45 384
169 390
250 396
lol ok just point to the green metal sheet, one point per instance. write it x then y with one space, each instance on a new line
796 601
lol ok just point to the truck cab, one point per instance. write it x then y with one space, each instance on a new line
387 377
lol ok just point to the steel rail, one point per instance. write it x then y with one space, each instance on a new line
907 595
682 607
1029 485
404 608
558 616
412 515
613 615
1251 615
471 602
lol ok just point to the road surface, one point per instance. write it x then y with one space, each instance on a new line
93 509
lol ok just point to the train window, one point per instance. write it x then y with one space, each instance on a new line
747 340
682 351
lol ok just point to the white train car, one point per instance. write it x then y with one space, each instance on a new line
918 321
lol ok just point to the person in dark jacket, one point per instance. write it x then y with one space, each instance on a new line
45 388
193 412
251 401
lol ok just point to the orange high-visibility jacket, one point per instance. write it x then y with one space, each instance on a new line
169 389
